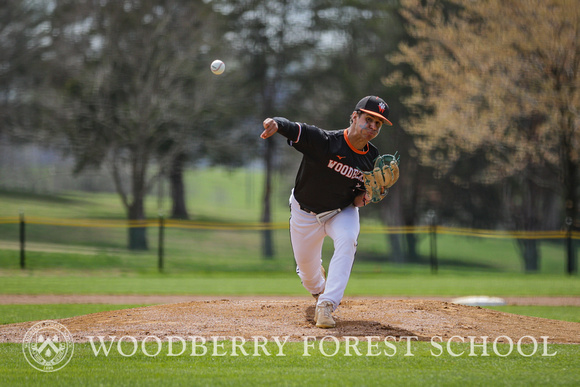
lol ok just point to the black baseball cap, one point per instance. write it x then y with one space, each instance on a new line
374 106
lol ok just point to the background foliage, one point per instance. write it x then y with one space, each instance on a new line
119 93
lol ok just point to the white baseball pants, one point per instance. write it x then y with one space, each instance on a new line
307 237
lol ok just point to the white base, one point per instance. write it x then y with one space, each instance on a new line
479 301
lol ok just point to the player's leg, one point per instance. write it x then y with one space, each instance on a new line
307 237
344 229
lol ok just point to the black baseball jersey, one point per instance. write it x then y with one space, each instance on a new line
330 175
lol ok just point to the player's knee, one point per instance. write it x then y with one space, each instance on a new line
346 244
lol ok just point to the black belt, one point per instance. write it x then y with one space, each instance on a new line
314 212
307 209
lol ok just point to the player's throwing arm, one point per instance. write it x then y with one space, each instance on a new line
270 128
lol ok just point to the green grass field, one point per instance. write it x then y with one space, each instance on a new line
275 283
393 366
63 260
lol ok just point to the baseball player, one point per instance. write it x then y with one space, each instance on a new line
329 188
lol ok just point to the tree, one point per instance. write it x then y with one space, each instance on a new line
23 37
500 77
133 84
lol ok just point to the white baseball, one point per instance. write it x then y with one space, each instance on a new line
217 67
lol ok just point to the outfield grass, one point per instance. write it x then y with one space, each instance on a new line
564 313
10 314
390 367
212 193
264 283
202 250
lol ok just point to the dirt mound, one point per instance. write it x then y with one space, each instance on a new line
294 317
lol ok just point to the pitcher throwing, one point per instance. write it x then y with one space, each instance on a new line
340 171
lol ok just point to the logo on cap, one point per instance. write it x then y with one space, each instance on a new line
374 106
382 107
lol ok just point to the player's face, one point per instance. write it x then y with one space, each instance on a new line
368 126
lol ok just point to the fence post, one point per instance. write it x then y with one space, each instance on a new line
22 242
160 244
571 267
433 241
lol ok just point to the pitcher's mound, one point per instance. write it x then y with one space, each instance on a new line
294 317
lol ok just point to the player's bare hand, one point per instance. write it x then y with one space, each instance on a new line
362 200
270 127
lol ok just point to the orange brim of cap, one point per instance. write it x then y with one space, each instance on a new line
375 114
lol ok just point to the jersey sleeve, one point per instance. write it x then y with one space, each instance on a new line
290 130
305 138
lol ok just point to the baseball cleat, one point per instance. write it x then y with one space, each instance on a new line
323 315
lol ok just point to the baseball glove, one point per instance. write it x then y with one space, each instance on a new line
384 174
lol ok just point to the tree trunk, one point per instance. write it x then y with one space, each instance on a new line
530 254
397 253
570 181
400 211
177 188
268 241
138 227
527 203
412 254
137 233
391 215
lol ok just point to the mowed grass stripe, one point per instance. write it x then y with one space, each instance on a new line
288 284
10 314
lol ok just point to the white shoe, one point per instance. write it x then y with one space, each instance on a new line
323 315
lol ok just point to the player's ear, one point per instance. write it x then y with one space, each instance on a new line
352 116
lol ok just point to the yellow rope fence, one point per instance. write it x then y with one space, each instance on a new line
260 226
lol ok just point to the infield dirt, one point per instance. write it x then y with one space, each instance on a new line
269 317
